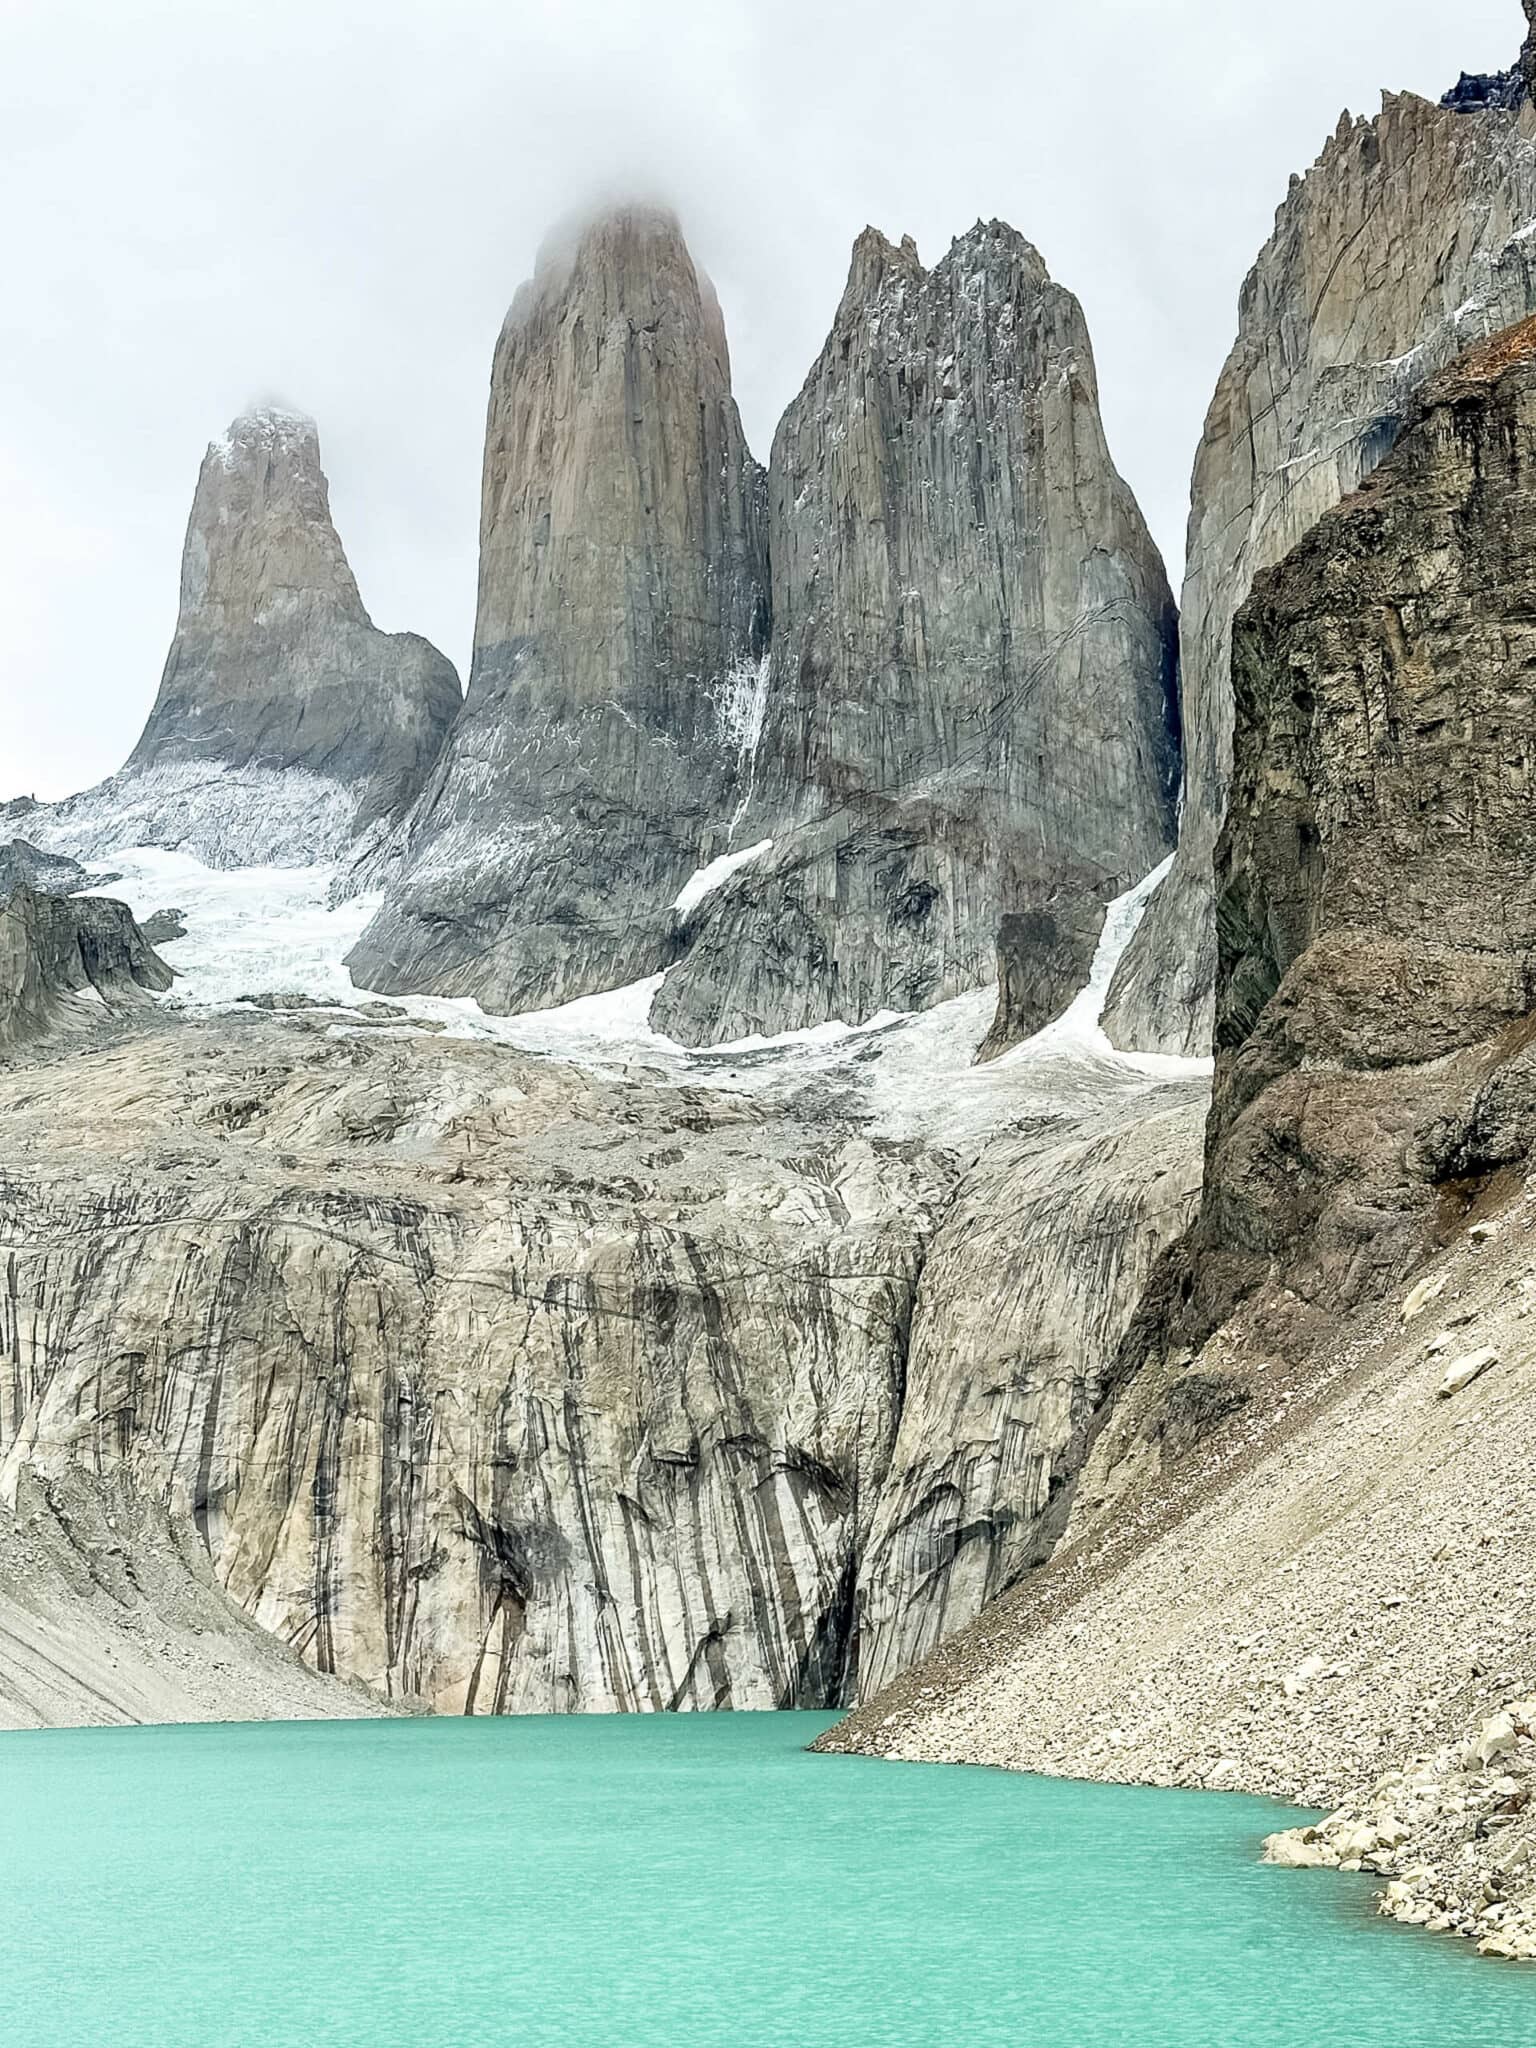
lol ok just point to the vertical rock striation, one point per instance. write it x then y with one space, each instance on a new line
286 722
1412 236
623 593
970 704
1028 1286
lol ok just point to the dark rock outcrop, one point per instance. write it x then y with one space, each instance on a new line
1376 896
52 874
286 722
970 706
1411 237
623 590
1040 955
64 960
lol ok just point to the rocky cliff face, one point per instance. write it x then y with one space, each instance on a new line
1028 1286
1376 905
286 723
623 596
1412 236
969 711
67 962
522 1387
109 1613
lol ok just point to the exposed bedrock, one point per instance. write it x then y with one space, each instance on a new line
970 708
1297 1554
110 1613
486 1379
67 962
1028 1286
623 608
1376 898
1411 237
286 723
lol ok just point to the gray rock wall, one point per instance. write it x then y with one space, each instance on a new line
623 582
68 962
286 723
970 703
524 1390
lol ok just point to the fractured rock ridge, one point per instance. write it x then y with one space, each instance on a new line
970 711
286 723
623 585
1412 236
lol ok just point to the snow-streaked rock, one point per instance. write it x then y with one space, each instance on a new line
969 712
540 1362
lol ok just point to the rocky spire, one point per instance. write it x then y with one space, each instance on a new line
970 712
275 663
286 722
1410 238
623 583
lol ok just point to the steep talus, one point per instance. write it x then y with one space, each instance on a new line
623 601
109 1613
1411 237
969 708
286 723
1297 1559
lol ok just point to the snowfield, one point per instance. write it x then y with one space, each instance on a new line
256 930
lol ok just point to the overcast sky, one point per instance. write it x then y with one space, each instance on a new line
331 203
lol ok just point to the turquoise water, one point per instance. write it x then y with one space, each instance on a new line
696 1882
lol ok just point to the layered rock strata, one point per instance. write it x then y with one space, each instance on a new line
286 723
970 703
1411 237
1376 902
623 598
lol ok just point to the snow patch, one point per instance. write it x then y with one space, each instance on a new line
255 930
708 878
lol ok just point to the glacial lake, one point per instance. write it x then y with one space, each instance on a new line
692 1882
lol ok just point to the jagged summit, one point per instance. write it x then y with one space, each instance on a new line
286 722
622 585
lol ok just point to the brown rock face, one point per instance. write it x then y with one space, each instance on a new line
969 710
1376 896
623 586
1411 237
